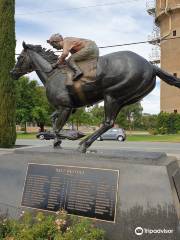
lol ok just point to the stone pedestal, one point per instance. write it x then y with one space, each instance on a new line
148 197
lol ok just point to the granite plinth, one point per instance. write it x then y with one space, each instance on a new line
147 195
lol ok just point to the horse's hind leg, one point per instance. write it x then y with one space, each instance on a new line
111 108
59 118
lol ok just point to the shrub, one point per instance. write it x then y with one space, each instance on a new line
168 123
49 227
153 131
163 130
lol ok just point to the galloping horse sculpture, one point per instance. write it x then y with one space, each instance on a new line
122 78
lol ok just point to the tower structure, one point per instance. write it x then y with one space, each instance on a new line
167 17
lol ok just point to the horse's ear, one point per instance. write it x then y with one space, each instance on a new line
25 46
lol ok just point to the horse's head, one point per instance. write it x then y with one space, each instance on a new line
24 64
33 58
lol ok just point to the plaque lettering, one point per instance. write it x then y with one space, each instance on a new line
85 192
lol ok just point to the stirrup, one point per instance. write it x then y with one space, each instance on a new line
77 76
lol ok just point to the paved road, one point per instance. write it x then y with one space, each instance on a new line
169 148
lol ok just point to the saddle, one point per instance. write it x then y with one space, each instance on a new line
76 88
89 69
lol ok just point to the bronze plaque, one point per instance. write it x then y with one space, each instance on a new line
87 192
176 179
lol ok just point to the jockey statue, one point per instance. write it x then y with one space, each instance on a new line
80 49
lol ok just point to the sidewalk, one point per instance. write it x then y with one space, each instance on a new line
6 151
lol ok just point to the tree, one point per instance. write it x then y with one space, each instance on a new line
149 122
168 123
130 116
97 115
40 116
42 110
25 100
7 61
32 103
80 117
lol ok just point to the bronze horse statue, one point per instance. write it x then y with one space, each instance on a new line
122 78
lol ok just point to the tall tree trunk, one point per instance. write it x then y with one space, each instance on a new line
25 127
72 125
77 124
7 85
41 125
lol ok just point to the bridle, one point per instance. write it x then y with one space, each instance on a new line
20 70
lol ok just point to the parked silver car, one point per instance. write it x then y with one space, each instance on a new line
113 134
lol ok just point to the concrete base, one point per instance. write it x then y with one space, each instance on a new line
147 196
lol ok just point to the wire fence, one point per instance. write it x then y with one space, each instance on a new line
159 40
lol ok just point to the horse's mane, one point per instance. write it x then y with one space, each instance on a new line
46 54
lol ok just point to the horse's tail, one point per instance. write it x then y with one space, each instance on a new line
166 77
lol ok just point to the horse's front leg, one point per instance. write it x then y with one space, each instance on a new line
112 108
59 118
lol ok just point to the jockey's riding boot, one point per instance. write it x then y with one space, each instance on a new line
77 71
77 74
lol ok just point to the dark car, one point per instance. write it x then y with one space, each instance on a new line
113 134
64 134
45 135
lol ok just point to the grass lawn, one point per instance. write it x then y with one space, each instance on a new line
26 135
152 138
130 137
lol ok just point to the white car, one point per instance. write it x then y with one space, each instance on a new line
113 134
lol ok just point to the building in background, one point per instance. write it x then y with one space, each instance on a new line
166 15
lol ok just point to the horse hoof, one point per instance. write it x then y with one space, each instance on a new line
57 147
57 144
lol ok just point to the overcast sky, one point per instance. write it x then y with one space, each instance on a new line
119 21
